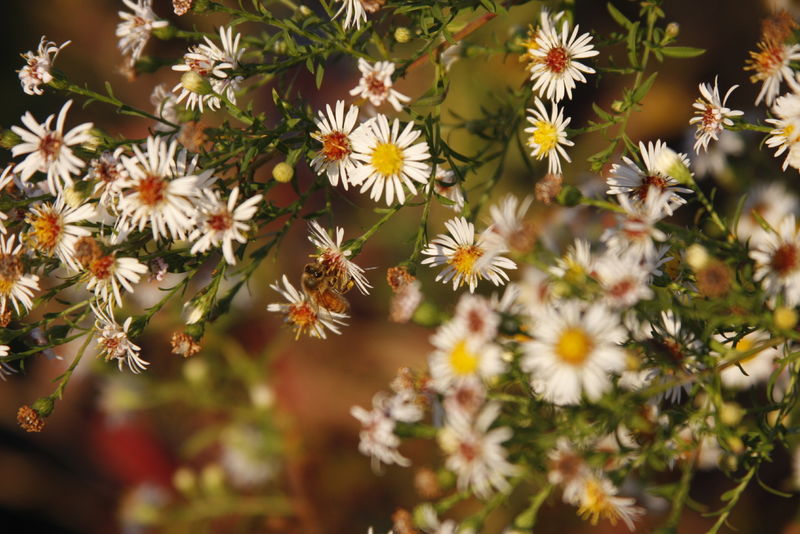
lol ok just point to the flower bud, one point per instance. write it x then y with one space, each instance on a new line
697 256
283 172
785 318
213 479
402 35
9 139
671 32
191 81
262 396
165 33
44 406
184 480
668 162
569 196
77 193
730 413
195 371
304 10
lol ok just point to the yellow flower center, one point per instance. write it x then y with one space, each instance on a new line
47 230
544 138
595 504
574 273
462 360
745 345
574 346
464 258
788 130
10 272
387 159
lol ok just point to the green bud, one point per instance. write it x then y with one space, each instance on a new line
671 32
730 413
569 196
201 6
77 193
617 106
402 35
9 139
304 10
283 172
426 314
184 480
44 406
195 371
166 33
191 81
422 516
213 479
279 47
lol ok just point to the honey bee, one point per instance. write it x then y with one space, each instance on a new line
325 289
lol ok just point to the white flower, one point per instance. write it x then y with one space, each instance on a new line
785 136
354 13
302 315
749 370
548 134
623 280
53 229
598 499
636 232
135 29
629 179
6 177
166 107
477 316
772 202
212 63
246 456
377 438
475 453
568 469
389 160
376 84
508 223
333 260
15 285
114 343
5 368
335 158
49 150
777 258
553 66
711 115
158 191
459 356
576 264
715 160
677 356
109 173
219 222
466 260
105 274
37 71
574 351
772 65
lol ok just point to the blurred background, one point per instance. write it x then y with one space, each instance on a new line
254 433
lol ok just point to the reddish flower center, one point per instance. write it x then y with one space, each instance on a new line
10 272
784 260
375 86
557 60
50 146
469 451
335 146
649 181
220 221
621 288
151 190
101 267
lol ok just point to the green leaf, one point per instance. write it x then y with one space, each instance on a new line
681 51
618 17
320 74
601 113
643 89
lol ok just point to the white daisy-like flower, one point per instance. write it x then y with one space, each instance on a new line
771 65
598 500
334 261
16 285
247 456
465 398
302 315
507 223
157 192
335 158
553 65
36 72
476 454
109 174
636 232
623 280
49 150
477 316
354 13
772 202
6 177
711 115
135 29
221 223
577 264
786 136
629 179
445 184
5 368
113 340
749 370
466 259
212 63
377 438
389 160
53 230
568 469
535 291
777 258
548 135
459 356
376 84
678 354
575 350
105 273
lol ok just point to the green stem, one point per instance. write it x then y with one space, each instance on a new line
64 378
733 497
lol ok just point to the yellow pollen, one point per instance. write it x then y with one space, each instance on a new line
574 273
47 230
788 131
595 504
387 159
462 360
573 346
464 259
745 345
10 272
544 138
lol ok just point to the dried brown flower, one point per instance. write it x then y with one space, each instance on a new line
403 522
714 280
397 277
181 7
427 483
184 345
29 419
548 188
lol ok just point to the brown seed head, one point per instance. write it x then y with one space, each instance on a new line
29 419
427 483
184 345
